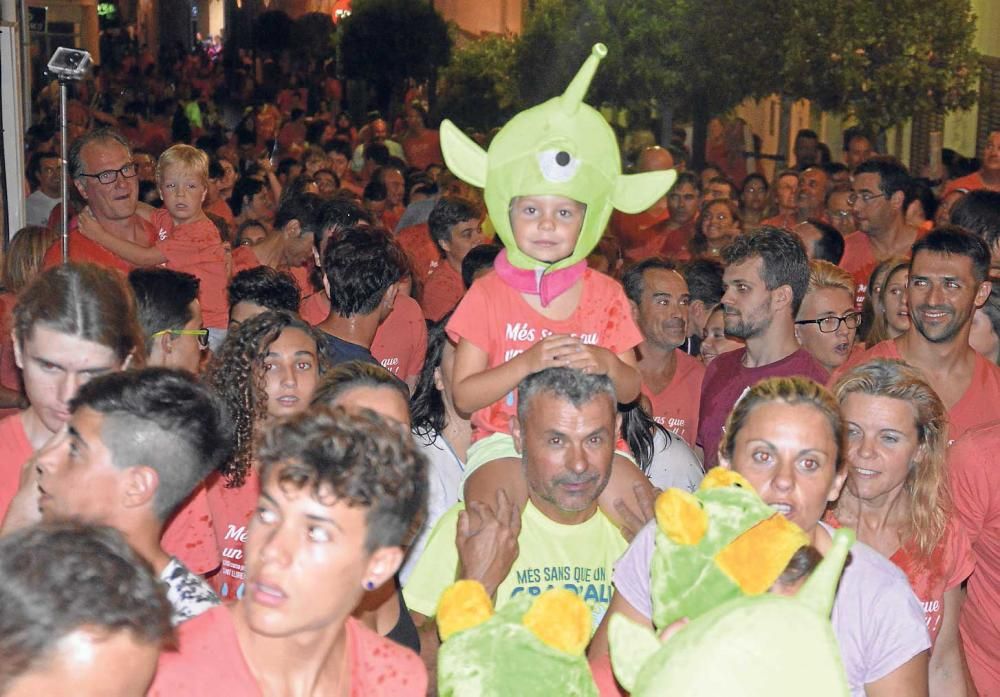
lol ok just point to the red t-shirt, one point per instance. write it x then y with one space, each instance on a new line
14 452
977 406
420 248
196 248
189 535
640 234
244 258
970 182
676 241
974 468
303 278
315 308
221 209
496 319
676 406
782 220
726 379
209 662
83 249
859 259
423 150
949 565
391 216
400 343
231 512
442 292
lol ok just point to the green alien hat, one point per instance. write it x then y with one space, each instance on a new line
560 147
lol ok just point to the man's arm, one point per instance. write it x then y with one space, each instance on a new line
129 251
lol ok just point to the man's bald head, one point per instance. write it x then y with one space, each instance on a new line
655 159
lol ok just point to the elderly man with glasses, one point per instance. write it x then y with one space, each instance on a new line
102 169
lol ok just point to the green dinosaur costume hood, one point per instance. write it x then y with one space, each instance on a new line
758 646
561 147
532 647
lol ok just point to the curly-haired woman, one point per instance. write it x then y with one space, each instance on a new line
267 368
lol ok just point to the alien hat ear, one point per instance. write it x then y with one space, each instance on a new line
465 159
635 193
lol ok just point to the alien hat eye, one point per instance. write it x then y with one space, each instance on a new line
557 165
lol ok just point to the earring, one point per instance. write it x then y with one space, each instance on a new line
369 585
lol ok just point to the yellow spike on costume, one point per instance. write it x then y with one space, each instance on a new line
560 619
464 604
681 517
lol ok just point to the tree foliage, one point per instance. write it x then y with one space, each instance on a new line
477 89
386 42
697 58
313 35
882 62
273 32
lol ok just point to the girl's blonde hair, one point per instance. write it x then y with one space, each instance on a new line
927 480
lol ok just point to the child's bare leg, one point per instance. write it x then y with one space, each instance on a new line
503 473
628 486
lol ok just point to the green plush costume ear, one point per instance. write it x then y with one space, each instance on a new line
562 147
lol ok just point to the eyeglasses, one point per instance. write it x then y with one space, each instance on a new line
202 335
840 214
110 176
828 325
865 197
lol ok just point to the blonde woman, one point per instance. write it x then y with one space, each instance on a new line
898 500
890 316
827 323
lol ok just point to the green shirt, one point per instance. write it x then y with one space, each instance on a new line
579 558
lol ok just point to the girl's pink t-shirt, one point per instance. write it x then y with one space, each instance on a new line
496 319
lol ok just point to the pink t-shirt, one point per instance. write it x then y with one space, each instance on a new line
496 319
15 449
209 662
977 406
442 292
974 466
676 406
400 343
189 535
877 620
232 509
196 248
950 564
726 379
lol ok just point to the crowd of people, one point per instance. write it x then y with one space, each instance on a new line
298 377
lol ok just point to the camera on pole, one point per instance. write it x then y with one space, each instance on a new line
68 65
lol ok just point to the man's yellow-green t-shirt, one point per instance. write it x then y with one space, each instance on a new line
579 558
